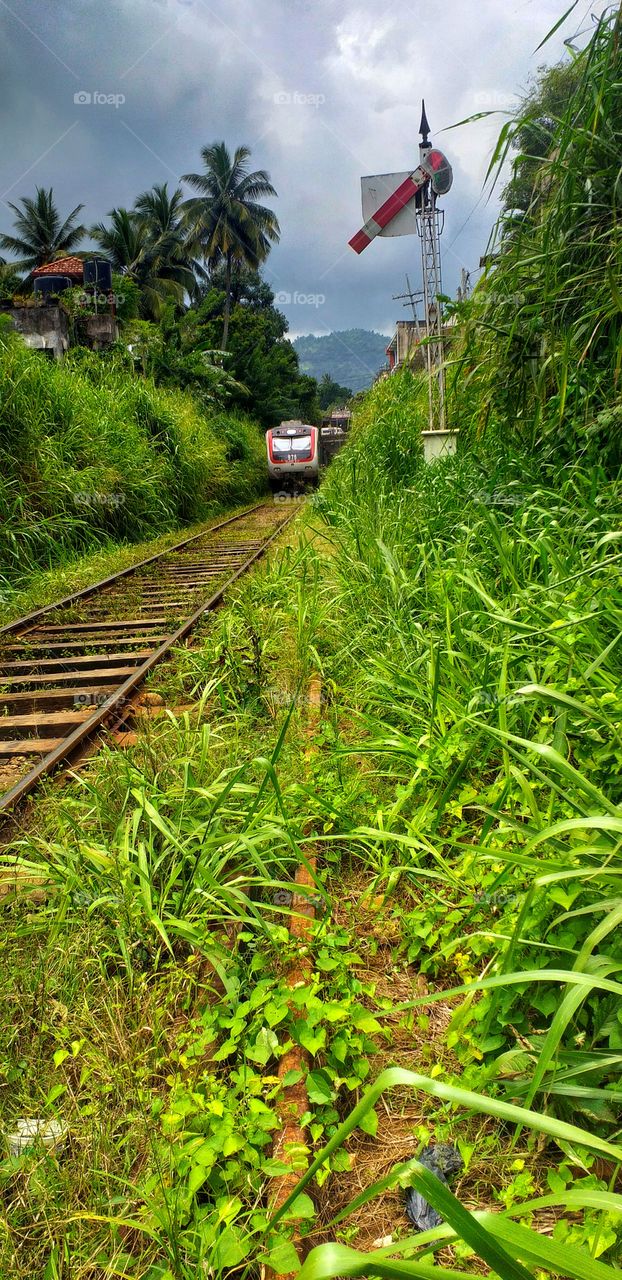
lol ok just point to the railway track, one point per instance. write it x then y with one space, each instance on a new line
71 668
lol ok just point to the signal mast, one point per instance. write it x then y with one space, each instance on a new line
410 206
430 223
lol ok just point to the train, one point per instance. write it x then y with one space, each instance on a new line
293 450
333 433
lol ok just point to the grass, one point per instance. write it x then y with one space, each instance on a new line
482 862
78 571
112 973
538 357
477 626
93 454
462 796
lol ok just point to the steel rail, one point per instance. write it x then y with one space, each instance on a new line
19 623
118 698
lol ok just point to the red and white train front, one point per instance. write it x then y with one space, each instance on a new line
293 453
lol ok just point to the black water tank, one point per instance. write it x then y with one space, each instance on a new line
46 285
98 272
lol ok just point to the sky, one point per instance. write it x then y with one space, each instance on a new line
102 98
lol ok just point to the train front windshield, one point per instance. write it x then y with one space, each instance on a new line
291 444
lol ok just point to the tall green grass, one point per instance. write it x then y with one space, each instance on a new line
539 355
90 452
176 856
467 621
477 628
477 624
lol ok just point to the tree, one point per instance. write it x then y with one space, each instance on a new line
135 247
168 353
123 241
10 280
162 212
331 393
42 235
247 286
225 217
260 359
542 109
169 244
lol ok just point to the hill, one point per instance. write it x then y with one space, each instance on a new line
351 356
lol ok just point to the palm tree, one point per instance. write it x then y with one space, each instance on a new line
225 218
162 216
162 211
131 252
42 235
123 241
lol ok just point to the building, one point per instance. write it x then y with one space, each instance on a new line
45 325
71 268
405 345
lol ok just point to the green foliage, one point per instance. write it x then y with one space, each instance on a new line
90 453
127 297
494 1238
331 394
542 111
466 771
385 449
477 626
502 703
247 285
165 243
539 351
41 233
148 245
226 221
443 610
79 303
176 864
259 358
10 281
168 254
169 354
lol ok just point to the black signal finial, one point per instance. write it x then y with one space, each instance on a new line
424 127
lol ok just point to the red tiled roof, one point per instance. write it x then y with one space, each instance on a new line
62 267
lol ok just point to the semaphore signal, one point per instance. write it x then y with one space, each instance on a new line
397 204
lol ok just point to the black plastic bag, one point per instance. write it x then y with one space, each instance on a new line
442 1160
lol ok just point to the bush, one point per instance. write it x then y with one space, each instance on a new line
90 452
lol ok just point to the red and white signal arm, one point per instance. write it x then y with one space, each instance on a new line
388 198
375 190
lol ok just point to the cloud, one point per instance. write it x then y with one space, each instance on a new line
322 90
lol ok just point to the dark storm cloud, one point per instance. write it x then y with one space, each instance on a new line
322 92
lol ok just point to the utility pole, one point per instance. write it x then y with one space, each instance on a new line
464 288
410 299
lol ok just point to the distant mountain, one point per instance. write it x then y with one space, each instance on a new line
352 357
